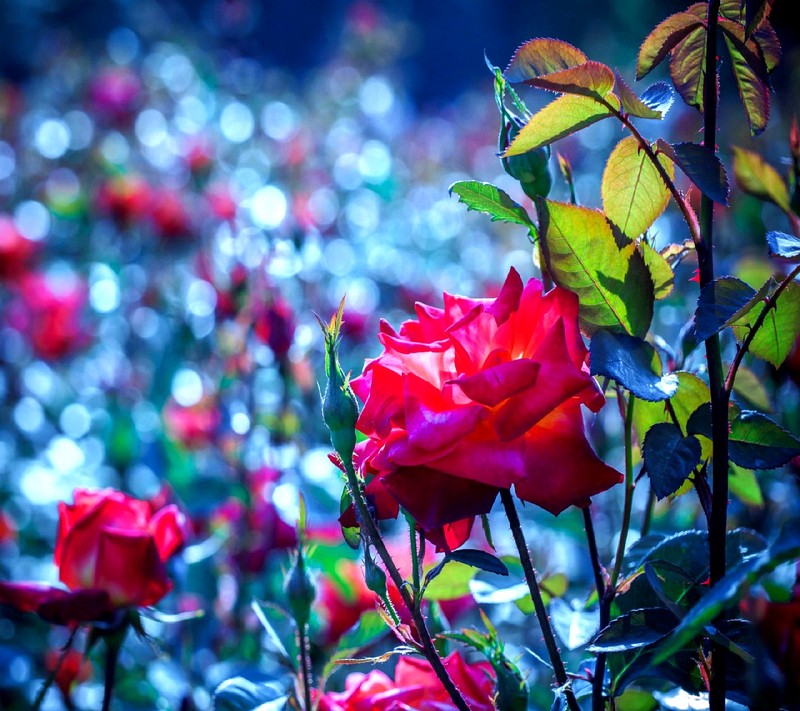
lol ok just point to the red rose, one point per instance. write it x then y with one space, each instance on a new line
194 426
115 93
273 324
125 198
111 552
479 396
415 688
15 250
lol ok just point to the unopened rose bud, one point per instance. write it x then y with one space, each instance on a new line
374 576
530 169
300 590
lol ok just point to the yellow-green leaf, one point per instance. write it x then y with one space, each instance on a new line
611 280
743 484
662 40
759 178
660 271
632 104
777 335
687 67
565 115
750 71
542 56
634 194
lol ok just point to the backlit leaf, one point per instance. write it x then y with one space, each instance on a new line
687 67
560 118
574 626
756 442
777 335
768 43
743 484
634 194
749 387
759 178
750 71
591 79
783 246
669 457
630 362
659 97
756 12
612 282
484 197
542 56
662 40
722 302
660 271
632 104
701 166
451 582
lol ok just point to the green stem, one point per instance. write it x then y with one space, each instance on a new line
538 604
627 507
648 512
372 535
604 602
305 665
48 682
113 645
415 558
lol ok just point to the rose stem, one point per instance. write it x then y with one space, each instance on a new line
48 682
373 537
305 665
538 604
604 601
113 645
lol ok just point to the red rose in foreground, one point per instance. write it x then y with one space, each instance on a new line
415 688
479 396
111 553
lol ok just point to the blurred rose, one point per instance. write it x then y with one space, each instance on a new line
779 625
15 250
193 426
481 395
170 215
49 309
115 94
73 669
273 324
415 688
124 198
111 552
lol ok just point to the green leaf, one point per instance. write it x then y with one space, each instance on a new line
633 630
756 442
784 247
630 362
484 197
728 590
542 56
660 271
574 626
560 118
591 79
687 67
756 13
757 177
701 166
750 72
634 194
669 457
450 582
612 282
722 302
743 484
777 335
749 387
636 700
663 39
241 694
658 97
633 105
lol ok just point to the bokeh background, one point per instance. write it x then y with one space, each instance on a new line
183 186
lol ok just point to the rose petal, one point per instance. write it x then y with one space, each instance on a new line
168 528
129 568
492 385
55 604
508 299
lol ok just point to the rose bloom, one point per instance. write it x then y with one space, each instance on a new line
111 553
16 250
415 688
479 396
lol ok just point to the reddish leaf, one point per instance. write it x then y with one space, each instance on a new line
759 178
687 67
591 79
663 39
542 56
767 40
756 14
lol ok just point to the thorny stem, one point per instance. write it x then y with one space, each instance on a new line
372 535
770 303
604 600
305 665
630 485
48 682
113 645
538 604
